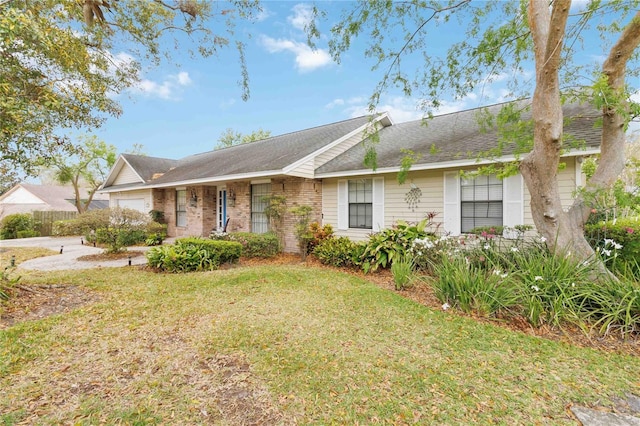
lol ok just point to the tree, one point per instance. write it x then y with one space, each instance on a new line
86 170
61 60
230 137
503 40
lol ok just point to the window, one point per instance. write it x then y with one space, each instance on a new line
259 221
181 207
480 202
360 203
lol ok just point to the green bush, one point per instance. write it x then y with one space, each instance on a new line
619 243
193 254
338 252
14 223
28 233
319 233
253 245
472 288
391 243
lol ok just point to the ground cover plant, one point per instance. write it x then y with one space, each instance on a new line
284 345
193 254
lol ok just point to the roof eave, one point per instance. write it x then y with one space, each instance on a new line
443 165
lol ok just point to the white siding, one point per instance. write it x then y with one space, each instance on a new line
126 175
144 194
305 170
21 196
337 150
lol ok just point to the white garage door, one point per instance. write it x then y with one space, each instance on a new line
134 203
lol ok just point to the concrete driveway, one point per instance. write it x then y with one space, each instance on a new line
72 249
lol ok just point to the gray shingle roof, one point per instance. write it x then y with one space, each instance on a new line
146 166
274 153
451 137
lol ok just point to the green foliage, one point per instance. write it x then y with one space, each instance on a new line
253 245
619 242
525 279
157 216
193 254
303 234
13 224
407 161
402 271
392 243
231 138
339 252
124 227
318 234
471 288
86 168
275 209
29 233
7 282
48 43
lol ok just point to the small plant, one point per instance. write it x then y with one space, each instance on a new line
472 288
7 282
339 252
275 209
319 233
157 216
302 232
402 270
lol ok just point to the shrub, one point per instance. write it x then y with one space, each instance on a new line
253 245
318 234
619 241
339 252
472 288
14 223
193 254
28 233
302 231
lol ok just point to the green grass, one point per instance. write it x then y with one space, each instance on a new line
309 346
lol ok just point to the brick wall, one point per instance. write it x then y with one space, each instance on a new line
298 192
201 215
240 212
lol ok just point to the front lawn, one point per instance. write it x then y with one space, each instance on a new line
284 344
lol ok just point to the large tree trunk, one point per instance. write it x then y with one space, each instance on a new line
564 229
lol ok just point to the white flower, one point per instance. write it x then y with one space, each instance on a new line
606 252
573 284
608 241
487 246
535 288
617 246
514 249
538 278
543 240
445 306
505 275
497 272
597 249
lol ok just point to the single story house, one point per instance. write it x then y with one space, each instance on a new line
27 198
322 167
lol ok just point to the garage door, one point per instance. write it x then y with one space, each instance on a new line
134 203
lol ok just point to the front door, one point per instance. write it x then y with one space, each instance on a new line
222 208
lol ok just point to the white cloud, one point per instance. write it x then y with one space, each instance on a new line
302 16
307 59
263 14
227 103
168 89
334 103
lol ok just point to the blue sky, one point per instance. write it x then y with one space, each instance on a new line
180 110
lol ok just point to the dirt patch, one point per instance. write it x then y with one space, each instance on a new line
36 302
242 399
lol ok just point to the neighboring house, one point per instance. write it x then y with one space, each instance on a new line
323 167
26 198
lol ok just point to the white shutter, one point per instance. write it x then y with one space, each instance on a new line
452 202
378 205
343 204
512 201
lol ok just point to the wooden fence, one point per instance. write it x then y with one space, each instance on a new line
44 220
